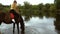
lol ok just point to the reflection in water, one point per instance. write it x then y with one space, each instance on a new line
58 31
27 18
35 25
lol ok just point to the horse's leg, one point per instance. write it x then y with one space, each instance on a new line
13 27
22 25
18 27
0 22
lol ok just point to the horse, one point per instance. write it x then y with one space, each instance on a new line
5 17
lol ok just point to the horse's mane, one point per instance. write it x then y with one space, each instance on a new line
12 11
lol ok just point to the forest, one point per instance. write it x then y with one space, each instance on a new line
40 10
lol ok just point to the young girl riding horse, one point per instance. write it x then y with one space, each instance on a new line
14 14
14 7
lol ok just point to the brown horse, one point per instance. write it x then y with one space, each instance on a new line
5 17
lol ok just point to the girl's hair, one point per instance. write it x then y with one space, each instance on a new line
15 2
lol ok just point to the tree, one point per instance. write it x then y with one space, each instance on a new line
27 5
1 6
57 3
27 9
40 6
57 22
52 10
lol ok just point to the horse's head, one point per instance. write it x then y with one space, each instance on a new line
12 11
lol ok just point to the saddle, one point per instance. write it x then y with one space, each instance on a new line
11 15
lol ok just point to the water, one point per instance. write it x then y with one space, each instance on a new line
35 25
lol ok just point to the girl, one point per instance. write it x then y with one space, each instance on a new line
14 10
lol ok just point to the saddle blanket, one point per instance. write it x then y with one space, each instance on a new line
11 15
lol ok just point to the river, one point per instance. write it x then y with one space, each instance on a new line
35 25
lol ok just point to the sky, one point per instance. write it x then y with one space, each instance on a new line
33 2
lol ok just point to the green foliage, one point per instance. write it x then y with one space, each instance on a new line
40 10
57 3
1 6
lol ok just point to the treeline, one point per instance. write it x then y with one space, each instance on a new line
48 10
